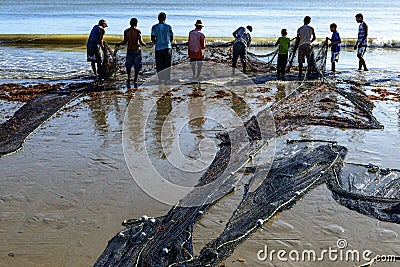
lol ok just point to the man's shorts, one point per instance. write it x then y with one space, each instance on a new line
304 51
239 50
335 57
133 58
93 53
361 50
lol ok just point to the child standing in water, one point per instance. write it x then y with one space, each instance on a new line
283 43
335 45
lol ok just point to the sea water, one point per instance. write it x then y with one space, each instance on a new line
221 18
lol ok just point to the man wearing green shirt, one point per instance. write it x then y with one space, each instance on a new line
283 43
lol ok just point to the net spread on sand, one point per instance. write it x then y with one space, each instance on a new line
167 240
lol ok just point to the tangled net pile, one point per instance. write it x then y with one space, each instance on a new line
167 240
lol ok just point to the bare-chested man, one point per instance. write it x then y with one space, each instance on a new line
133 37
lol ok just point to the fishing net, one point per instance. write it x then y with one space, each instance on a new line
36 111
167 240
262 63
108 65
221 52
315 67
370 190
321 104
289 179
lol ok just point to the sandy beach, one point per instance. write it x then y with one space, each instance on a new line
64 195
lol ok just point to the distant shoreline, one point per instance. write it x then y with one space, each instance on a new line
80 39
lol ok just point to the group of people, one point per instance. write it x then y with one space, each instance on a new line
162 36
305 37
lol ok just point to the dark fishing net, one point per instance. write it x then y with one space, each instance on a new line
315 67
35 112
166 241
289 179
370 190
109 63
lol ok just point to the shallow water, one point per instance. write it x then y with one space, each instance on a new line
64 195
34 63
220 18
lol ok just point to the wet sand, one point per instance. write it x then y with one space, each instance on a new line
66 193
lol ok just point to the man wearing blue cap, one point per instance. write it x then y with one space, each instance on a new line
95 41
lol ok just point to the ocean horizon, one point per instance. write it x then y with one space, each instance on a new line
220 18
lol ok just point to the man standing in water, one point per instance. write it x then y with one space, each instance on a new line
94 43
305 36
242 41
361 44
196 44
162 36
133 36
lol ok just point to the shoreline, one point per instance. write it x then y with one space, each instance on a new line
80 39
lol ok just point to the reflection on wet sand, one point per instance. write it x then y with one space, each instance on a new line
281 92
99 113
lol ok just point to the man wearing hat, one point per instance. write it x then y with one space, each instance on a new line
94 43
242 41
196 44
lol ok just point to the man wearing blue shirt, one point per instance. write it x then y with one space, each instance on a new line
94 43
335 45
162 36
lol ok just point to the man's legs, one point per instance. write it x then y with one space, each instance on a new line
94 56
235 56
128 65
165 62
279 67
361 61
311 68
159 63
304 52
243 59
333 60
199 66
301 56
193 66
284 63
300 69
94 68
137 64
